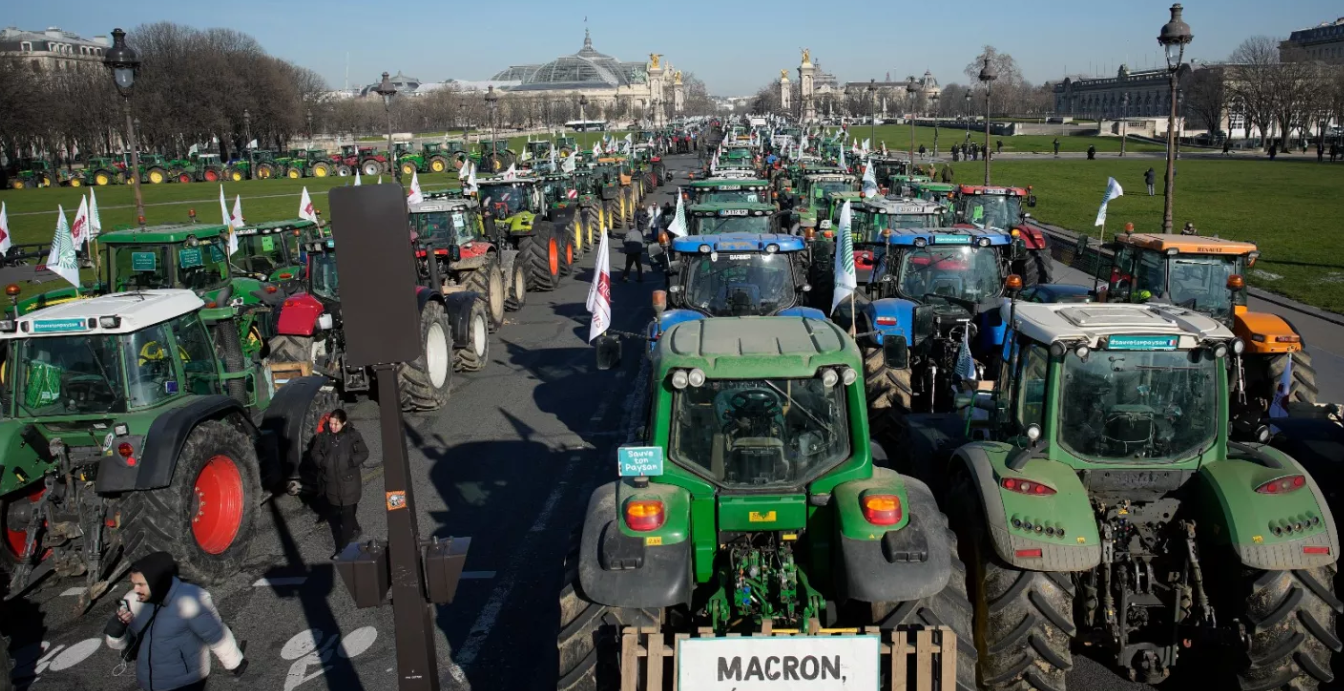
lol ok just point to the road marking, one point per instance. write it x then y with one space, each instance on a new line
282 580
74 592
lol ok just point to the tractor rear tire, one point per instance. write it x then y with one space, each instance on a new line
229 345
185 178
1023 619
1304 388
207 516
294 172
321 169
371 167
1290 617
1038 268
265 171
16 184
488 283
567 254
156 175
615 220
212 174
426 380
286 348
343 171
438 164
890 394
515 278
540 254
475 354
589 642
236 175
102 177
408 169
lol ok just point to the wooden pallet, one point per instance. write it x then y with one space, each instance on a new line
282 372
919 660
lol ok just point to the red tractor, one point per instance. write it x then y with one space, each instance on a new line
451 231
310 334
981 206
363 159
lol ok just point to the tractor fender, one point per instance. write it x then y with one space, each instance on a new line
800 311
1080 547
1248 325
669 319
1236 515
1033 238
298 315
283 420
618 569
458 307
162 443
991 329
910 561
888 317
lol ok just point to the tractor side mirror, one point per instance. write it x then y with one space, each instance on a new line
1031 201
608 352
895 352
455 253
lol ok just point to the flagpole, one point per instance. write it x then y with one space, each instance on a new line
853 318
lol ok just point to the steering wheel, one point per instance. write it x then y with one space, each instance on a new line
755 403
83 389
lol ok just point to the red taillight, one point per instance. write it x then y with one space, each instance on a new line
127 452
270 289
644 515
1282 485
881 509
1026 487
211 305
1029 553
1288 339
286 276
1316 550
886 321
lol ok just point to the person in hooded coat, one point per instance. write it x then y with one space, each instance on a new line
177 626
340 452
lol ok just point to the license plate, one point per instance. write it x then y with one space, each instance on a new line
780 663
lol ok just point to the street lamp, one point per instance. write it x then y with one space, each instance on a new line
910 90
310 126
933 101
987 76
583 121
1124 122
492 104
872 110
124 64
387 91
1174 37
247 142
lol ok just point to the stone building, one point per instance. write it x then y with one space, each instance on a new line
1142 94
53 49
1323 42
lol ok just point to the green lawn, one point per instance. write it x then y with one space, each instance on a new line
898 139
1283 206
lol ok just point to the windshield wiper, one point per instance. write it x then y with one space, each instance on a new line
970 305
806 412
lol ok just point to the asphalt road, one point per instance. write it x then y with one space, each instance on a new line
509 462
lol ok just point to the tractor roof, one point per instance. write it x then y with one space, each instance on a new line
442 204
920 237
1097 322
982 189
169 233
1186 244
733 242
835 174
756 347
934 186
135 310
499 180
273 227
732 209
730 183
899 205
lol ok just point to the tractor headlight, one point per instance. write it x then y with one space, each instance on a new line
8 326
680 379
696 377
1238 346
829 378
848 375
983 242
1082 352
1220 351
921 243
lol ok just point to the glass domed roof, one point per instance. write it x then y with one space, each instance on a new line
586 69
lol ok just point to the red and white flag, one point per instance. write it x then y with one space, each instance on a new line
415 197
599 295
306 210
79 230
5 242
572 194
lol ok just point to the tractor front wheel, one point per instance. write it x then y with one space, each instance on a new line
102 178
589 642
473 355
1291 621
371 167
294 173
425 381
321 169
156 176
207 516
540 253
438 164
212 174
265 171
343 171
408 168
1037 268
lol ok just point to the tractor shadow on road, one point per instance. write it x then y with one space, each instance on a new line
21 619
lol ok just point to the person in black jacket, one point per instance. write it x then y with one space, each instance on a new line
339 453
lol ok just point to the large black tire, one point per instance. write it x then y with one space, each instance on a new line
371 167
567 255
540 254
889 392
615 220
1304 376
314 422
1037 268
488 282
950 607
173 519
290 348
589 640
1290 617
515 277
265 171
425 381
1023 619
229 346
473 355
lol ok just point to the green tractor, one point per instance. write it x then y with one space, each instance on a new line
432 158
262 164
308 163
33 172
494 156
515 218
755 502
271 251
1104 504
103 171
133 423
154 169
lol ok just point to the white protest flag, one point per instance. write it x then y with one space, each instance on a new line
225 217
866 146
846 279
358 181
380 179
511 173
597 149
629 142
599 295
470 186
61 259
306 210
1113 190
5 240
554 165
869 180
95 222
678 226
252 144
571 162
415 196
965 363
842 158
238 211
79 231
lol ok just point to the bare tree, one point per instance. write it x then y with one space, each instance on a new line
1207 96
1253 81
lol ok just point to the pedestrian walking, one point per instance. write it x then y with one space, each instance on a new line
1056 147
999 142
1334 152
339 453
169 629
947 174
668 212
1273 150
1091 152
1149 178
1227 146
634 250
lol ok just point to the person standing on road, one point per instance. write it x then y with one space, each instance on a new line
1149 178
1273 150
170 628
1056 147
339 453
1091 152
634 250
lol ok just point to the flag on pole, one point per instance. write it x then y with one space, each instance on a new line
95 222
61 259
252 144
846 279
869 180
599 295
866 146
306 210
965 363
5 240
225 217
415 196
678 225
1113 190
511 173
470 186
571 162
1279 406
193 149
554 165
237 211
842 158
358 181
630 142
79 231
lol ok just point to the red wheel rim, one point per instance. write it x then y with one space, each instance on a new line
16 540
554 257
211 176
569 254
184 178
217 511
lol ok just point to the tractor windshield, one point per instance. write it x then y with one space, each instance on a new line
505 200
1198 283
203 267
760 433
139 266
868 226
710 195
723 225
68 375
1138 405
822 188
324 280
965 273
991 210
442 228
736 285
262 254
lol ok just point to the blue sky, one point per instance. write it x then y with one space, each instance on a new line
735 47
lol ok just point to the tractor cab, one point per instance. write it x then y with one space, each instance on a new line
887 166
814 188
729 191
538 150
992 207
271 251
446 224
503 199
941 192
875 219
736 217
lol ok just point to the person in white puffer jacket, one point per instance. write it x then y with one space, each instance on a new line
178 627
